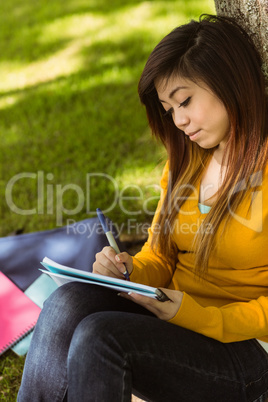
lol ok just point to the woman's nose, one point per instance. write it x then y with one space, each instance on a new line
181 119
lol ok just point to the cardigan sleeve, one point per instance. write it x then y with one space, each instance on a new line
151 268
230 323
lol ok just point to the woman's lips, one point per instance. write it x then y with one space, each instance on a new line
193 135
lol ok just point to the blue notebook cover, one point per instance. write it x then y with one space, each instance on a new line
38 292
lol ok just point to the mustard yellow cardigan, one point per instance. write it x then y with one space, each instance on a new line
231 303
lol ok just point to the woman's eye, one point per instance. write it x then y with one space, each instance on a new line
186 102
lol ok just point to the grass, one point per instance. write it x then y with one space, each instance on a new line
73 134
11 367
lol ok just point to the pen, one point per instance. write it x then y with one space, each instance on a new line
110 237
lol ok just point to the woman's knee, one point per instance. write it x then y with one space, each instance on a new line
63 298
58 310
97 332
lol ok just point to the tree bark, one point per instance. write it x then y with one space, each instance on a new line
252 15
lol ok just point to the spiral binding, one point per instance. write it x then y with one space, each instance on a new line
19 337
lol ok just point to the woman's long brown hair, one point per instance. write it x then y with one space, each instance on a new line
219 53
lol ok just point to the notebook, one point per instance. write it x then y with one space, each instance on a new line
38 292
62 274
18 314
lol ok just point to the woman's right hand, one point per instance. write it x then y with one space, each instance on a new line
111 264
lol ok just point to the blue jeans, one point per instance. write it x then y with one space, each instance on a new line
91 345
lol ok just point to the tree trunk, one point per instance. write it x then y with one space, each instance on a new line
252 15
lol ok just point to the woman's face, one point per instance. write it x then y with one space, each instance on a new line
195 110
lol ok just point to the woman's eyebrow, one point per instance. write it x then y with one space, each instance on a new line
172 93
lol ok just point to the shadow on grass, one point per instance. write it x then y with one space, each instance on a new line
24 22
85 122
67 135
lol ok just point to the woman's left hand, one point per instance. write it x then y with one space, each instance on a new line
163 310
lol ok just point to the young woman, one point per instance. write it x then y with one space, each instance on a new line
204 93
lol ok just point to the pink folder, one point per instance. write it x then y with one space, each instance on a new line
18 314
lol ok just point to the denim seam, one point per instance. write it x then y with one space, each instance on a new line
202 371
65 393
260 398
256 380
124 375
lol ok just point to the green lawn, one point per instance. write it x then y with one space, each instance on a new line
74 136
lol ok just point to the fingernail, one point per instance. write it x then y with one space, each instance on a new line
117 258
122 269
